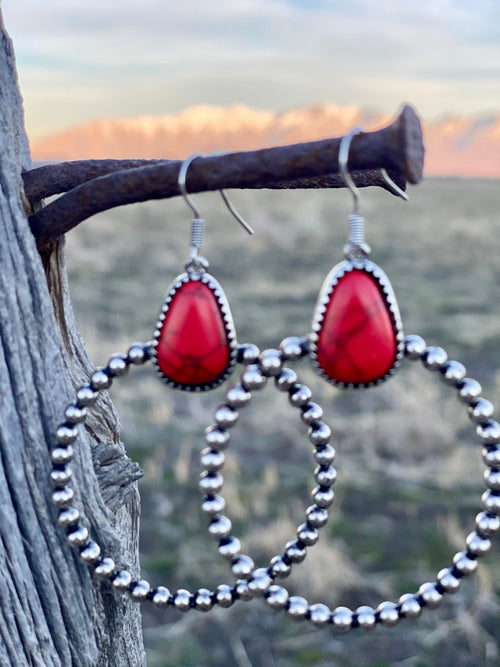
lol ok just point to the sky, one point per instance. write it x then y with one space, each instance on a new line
79 60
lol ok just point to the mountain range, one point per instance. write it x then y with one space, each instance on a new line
455 145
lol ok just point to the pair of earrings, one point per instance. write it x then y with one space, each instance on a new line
356 338
356 341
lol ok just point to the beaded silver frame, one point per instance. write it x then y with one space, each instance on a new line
227 318
325 295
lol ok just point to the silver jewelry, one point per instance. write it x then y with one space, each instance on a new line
356 335
260 582
194 347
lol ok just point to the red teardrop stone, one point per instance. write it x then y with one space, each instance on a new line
356 343
193 346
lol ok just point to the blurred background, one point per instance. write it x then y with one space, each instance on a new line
167 79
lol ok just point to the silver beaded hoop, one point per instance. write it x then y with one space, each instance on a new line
73 521
478 543
260 367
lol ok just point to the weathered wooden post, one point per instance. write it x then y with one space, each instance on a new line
53 612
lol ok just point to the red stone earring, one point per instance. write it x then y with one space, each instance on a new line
195 346
357 337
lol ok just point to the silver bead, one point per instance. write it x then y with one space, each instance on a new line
294 552
248 354
365 617
317 516
388 614
480 410
242 591
68 517
182 600
452 373
62 497
491 501
259 582
220 527
252 378
414 346
299 395
276 597
409 606
137 354
203 600
311 413
492 479
430 595
210 482
90 552
213 505
161 597
66 433
297 607
140 590
324 455
285 380
342 619
293 348
271 362
212 460
60 476
224 596
468 390
62 455
78 537
279 567
434 358
216 437
320 434
477 545
122 580
447 580
230 548
105 568
489 432
491 457
325 475
75 414
86 395
100 380
242 566
238 396
319 614
307 534
323 497
464 564
225 417
117 365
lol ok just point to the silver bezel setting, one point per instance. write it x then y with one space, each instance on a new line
325 295
227 318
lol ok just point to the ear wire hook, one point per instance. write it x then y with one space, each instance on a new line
395 189
190 202
345 144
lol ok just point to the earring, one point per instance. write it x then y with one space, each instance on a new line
357 337
194 346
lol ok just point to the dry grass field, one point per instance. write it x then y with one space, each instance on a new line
409 465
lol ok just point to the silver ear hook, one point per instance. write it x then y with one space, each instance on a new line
345 144
395 189
189 200
355 248
181 182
